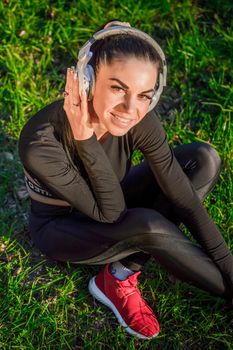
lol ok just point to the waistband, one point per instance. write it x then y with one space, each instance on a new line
39 194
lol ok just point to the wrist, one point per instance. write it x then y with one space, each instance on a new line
83 133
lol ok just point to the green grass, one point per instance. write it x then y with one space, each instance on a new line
44 304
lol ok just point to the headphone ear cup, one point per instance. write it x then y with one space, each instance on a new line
154 101
157 93
90 75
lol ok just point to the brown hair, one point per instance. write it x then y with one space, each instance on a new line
122 45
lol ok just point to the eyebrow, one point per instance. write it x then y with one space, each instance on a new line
126 87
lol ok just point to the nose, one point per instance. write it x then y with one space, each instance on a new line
129 104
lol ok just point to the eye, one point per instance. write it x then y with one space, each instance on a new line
145 97
117 88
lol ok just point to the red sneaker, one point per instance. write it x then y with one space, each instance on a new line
125 300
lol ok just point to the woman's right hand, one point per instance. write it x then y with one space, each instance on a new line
76 107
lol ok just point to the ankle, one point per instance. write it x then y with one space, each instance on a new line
119 271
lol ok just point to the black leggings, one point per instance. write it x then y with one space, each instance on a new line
148 228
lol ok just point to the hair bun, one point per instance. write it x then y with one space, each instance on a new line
116 23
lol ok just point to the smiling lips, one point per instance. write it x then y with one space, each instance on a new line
120 121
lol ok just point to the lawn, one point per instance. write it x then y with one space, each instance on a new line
45 304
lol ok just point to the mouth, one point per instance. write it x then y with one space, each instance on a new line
121 121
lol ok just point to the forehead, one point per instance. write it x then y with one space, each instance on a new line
129 69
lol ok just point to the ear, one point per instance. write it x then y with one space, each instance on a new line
157 93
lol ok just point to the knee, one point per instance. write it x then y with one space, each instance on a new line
148 221
209 158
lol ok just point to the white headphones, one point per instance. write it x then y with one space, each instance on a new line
86 73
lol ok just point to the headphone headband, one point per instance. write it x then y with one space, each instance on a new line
85 54
101 34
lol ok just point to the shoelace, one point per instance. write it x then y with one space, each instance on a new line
127 291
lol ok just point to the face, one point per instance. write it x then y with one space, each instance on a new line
122 95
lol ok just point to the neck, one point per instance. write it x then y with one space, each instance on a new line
100 132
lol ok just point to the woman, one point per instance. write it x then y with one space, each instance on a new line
88 205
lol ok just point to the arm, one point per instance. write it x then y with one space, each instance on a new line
97 194
96 191
176 186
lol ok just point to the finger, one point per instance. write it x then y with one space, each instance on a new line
75 74
76 97
68 91
84 104
70 80
73 88
73 100
67 86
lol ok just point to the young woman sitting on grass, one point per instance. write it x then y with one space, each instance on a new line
89 205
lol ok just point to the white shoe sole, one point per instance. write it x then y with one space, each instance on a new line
96 293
